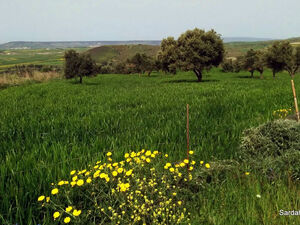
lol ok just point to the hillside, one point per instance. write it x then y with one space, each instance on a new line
117 53
69 44
88 44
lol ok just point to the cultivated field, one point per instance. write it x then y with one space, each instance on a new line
10 58
49 129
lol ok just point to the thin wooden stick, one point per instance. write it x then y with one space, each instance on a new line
295 101
187 133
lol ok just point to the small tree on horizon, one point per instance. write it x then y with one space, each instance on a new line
274 56
260 63
292 63
78 65
142 63
249 61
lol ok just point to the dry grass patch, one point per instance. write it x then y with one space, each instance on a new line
14 79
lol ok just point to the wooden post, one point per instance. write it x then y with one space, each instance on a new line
295 100
187 134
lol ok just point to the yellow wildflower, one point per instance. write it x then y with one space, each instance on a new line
47 199
103 175
41 198
115 173
89 180
129 172
80 182
56 215
191 152
109 154
247 173
76 212
73 172
54 191
67 220
207 165
69 209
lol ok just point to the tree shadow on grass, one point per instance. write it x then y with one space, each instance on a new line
91 83
190 81
248 77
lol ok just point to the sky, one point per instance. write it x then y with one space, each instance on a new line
105 20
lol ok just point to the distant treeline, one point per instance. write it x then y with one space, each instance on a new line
278 57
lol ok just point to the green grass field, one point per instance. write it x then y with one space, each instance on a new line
49 129
10 58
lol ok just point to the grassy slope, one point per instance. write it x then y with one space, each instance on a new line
121 52
51 128
10 58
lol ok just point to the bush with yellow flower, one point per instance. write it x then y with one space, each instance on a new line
143 188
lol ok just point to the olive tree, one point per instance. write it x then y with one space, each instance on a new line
78 65
275 56
292 60
199 50
260 63
167 56
249 61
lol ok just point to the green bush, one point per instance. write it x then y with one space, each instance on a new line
273 148
271 139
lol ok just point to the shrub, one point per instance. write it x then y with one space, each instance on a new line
143 188
271 139
273 148
227 66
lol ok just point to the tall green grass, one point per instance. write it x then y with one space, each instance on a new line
48 129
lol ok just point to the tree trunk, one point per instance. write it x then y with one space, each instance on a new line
261 75
80 79
274 74
149 73
293 76
252 74
198 74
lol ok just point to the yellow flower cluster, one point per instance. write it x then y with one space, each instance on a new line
136 190
281 113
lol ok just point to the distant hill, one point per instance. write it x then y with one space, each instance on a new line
70 44
117 53
88 44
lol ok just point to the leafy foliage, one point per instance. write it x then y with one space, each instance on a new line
227 66
194 50
167 56
275 56
79 65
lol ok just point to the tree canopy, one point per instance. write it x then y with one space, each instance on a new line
78 65
194 50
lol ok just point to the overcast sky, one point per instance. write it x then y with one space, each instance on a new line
94 20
